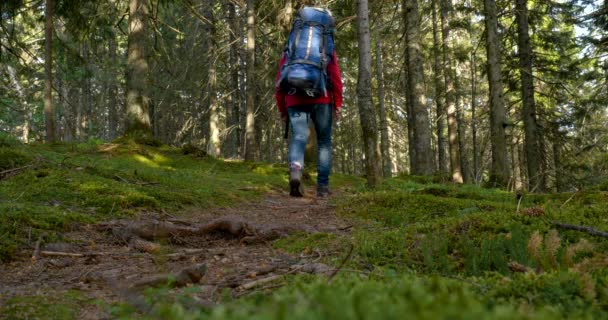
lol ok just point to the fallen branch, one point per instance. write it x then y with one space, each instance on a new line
11 172
589 230
255 283
79 255
184 253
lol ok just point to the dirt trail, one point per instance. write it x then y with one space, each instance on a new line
111 267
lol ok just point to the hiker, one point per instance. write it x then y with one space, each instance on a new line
309 88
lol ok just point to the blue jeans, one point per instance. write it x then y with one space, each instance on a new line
321 115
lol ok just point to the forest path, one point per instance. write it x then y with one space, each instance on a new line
109 268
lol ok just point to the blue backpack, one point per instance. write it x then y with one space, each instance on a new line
309 50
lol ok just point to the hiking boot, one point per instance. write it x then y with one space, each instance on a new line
295 183
323 191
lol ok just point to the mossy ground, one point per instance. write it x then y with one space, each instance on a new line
91 182
420 248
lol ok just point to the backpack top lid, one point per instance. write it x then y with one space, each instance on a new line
318 15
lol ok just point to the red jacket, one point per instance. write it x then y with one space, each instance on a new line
285 101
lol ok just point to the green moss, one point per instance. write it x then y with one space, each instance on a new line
299 243
13 158
60 306
92 181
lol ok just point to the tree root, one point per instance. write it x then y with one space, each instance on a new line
139 234
186 276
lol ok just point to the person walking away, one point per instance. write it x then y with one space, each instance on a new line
309 88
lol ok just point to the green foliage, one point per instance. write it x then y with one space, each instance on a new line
7 140
384 297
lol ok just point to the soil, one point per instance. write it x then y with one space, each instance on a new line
110 272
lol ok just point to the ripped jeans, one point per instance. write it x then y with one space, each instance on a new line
321 115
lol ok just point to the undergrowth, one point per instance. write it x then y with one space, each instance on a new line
422 249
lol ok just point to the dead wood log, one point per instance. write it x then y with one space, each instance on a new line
184 277
589 230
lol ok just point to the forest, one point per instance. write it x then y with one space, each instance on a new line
143 162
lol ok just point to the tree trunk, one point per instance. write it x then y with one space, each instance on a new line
213 136
516 163
367 113
531 141
232 110
474 118
250 124
48 70
112 91
557 162
384 141
464 163
214 116
422 133
26 127
442 161
137 101
499 171
450 99
411 115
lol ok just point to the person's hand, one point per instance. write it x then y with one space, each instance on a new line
283 118
337 115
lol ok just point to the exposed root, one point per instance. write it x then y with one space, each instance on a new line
187 276
138 234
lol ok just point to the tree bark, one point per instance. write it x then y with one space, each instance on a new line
422 133
364 94
557 159
384 141
531 141
250 124
474 118
517 180
48 68
233 106
112 91
213 144
137 101
499 171
450 99
442 160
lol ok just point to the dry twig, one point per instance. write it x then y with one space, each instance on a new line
335 272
